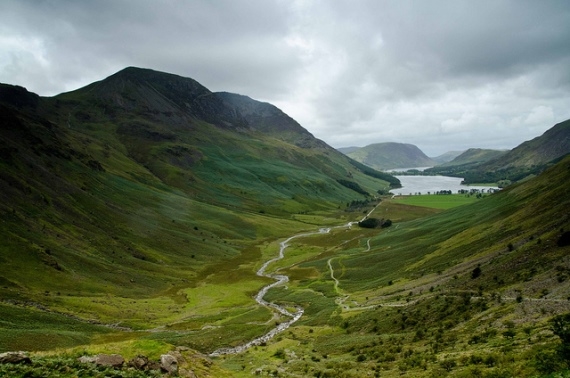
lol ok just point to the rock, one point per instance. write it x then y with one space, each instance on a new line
86 359
179 357
112 360
139 363
168 363
15 358
186 373
153 365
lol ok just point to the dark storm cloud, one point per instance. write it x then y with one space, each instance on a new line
219 42
444 75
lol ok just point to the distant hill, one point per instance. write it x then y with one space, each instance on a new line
474 156
347 150
391 155
446 157
525 161
539 151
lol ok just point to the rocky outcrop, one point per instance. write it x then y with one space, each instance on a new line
112 360
173 363
168 363
14 358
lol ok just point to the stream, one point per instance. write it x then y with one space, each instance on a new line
279 279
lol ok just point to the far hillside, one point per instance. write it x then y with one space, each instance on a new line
446 157
474 157
391 155
347 150
523 162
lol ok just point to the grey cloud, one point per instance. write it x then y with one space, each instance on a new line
439 74
216 42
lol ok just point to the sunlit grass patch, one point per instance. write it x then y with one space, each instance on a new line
213 298
138 313
437 201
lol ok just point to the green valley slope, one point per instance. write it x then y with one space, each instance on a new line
469 291
119 195
525 161
136 211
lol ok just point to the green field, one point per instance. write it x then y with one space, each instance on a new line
447 201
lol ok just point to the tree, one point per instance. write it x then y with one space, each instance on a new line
561 328
369 223
476 272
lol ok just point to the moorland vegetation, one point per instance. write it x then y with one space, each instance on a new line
136 212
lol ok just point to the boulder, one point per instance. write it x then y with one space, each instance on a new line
15 358
112 360
86 359
139 363
168 363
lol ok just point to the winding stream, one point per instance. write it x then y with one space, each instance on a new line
279 279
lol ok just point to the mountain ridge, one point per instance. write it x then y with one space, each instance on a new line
391 155
122 175
524 161
475 156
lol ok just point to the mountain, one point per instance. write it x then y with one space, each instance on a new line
246 141
539 151
391 155
268 119
347 150
446 157
146 183
474 156
525 161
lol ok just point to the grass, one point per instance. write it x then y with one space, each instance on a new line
413 307
437 201
24 327
167 238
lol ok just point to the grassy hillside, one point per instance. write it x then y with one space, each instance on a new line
523 162
391 155
446 157
468 291
136 211
473 157
119 196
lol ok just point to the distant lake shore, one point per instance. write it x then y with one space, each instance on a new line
412 185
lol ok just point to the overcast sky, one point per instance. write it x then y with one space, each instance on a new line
443 75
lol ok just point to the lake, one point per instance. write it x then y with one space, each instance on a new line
432 184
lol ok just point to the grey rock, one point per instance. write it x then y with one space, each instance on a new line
15 358
113 360
168 363
86 359
139 363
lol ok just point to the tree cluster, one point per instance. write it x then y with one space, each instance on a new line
353 185
375 223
